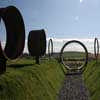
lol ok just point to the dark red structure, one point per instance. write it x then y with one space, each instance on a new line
96 48
37 43
81 68
50 48
15 35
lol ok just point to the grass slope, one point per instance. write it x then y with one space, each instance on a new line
25 80
74 54
92 79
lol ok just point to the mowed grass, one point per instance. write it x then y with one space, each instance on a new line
92 79
25 80
73 54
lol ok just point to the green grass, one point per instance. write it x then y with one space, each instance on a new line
25 80
73 54
92 79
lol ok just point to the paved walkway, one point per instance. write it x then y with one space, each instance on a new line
73 89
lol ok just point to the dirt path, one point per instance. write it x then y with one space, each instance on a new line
73 89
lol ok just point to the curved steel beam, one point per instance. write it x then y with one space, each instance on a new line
37 43
96 48
81 68
15 31
50 43
15 35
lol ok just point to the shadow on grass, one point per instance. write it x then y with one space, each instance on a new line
19 65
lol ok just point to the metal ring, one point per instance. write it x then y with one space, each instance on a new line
96 49
86 54
37 42
50 42
15 32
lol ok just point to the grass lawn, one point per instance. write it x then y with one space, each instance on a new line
92 79
25 80
73 54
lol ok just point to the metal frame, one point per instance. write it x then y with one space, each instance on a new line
37 43
86 55
15 32
15 35
96 49
50 53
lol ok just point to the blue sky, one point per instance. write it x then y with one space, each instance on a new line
60 18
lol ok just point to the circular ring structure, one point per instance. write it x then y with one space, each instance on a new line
86 54
37 42
50 47
96 48
15 32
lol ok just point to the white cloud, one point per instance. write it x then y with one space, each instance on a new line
59 42
25 47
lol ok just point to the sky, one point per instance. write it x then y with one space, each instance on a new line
59 18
